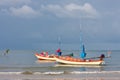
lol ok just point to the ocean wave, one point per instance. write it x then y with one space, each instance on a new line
57 73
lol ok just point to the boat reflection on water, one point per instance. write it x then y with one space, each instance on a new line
45 63
64 65
83 67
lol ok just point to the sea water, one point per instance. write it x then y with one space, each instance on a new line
25 62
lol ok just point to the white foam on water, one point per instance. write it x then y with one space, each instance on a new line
94 72
53 72
10 73
61 72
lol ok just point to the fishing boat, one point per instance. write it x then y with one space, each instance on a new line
78 61
46 56
82 60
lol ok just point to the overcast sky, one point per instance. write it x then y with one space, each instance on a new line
37 24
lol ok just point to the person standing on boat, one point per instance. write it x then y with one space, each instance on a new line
6 51
58 51
83 53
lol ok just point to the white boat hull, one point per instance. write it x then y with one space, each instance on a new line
49 57
87 62
45 58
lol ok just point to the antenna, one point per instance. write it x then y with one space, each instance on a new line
81 34
59 41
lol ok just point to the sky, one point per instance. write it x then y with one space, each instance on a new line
37 24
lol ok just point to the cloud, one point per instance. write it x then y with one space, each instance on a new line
14 2
88 9
72 10
24 11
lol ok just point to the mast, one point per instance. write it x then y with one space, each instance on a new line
82 53
81 42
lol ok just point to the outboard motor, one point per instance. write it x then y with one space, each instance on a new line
102 56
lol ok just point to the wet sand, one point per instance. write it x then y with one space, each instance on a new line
97 76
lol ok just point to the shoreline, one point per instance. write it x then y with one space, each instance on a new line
88 76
